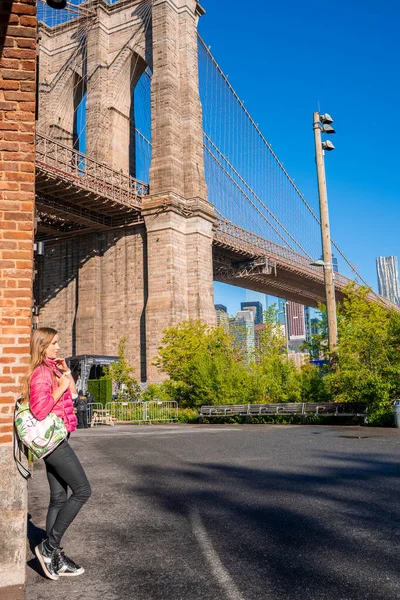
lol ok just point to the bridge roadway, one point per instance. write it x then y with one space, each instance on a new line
76 194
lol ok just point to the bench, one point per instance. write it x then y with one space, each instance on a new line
327 409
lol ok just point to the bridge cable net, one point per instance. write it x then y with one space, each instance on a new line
246 181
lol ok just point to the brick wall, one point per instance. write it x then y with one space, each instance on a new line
17 121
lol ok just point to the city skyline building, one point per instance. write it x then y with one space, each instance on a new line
388 278
335 264
222 314
257 309
242 328
296 321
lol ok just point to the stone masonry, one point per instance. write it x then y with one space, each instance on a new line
17 121
136 282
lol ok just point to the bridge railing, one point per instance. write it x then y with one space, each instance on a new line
251 242
84 172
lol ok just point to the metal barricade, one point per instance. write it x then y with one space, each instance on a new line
127 412
162 411
142 412
94 410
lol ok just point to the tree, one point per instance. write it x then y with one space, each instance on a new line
274 377
122 374
203 364
368 355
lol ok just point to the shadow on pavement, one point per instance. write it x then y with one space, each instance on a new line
34 535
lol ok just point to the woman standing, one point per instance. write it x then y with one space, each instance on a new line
51 388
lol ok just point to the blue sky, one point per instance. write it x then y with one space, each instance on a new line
287 59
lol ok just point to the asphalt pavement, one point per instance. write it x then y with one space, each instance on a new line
230 512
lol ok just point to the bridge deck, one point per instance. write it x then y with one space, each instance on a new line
77 194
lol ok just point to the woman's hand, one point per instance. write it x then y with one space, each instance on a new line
61 365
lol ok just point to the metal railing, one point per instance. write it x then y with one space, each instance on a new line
93 410
64 162
142 412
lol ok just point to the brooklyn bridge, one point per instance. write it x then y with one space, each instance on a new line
153 181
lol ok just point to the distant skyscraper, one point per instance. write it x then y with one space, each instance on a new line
297 322
222 315
388 278
335 265
257 309
220 307
242 328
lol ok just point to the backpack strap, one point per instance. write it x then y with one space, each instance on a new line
18 452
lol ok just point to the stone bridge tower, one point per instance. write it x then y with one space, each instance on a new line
98 287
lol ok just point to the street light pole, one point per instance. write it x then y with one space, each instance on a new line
326 236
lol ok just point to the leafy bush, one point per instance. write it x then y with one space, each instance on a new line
122 375
101 390
188 415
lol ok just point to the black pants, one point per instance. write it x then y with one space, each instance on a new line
64 471
82 418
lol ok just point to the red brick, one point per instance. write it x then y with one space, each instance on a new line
7 264
9 63
24 264
22 96
27 126
16 370
18 216
30 21
6 438
8 146
21 32
20 116
26 205
27 86
18 75
19 293
17 176
28 65
26 167
23 9
10 85
13 350
17 196
7 185
12 155
7 359
26 43
11 283
14 235
8 105
17 136
19 53
17 254
4 245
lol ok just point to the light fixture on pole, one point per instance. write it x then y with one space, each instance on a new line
57 4
322 124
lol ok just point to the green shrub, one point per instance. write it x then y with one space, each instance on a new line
101 390
188 415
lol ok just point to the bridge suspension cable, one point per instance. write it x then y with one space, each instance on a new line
221 123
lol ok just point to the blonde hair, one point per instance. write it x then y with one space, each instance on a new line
40 341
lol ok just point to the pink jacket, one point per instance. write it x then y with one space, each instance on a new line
41 401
